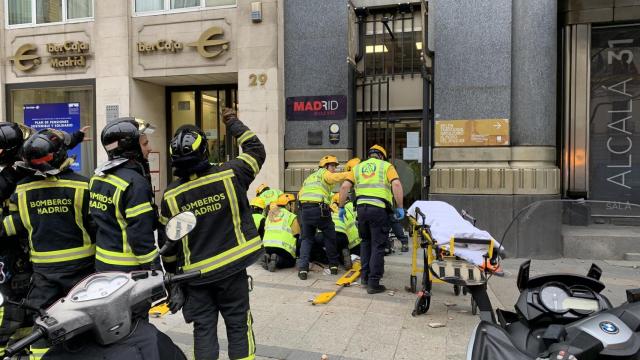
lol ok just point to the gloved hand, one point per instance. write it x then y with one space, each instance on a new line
176 298
228 114
341 213
399 213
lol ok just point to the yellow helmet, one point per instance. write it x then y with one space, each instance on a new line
329 159
335 198
285 199
377 149
258 202
351 164
261 188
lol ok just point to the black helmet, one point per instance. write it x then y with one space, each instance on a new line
46 150
121 137
188 146
12 137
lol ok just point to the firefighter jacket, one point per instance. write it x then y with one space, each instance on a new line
225 239
53 212
279 230
122 206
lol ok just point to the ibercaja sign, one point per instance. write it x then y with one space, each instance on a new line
328 107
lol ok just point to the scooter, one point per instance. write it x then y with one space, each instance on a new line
96 319
560 315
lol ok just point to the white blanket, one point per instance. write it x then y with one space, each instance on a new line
445 222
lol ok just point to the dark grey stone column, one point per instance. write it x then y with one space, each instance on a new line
534 72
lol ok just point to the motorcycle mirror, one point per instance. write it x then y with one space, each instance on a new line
458 272
180 225
523 275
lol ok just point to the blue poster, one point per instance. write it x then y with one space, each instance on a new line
60 116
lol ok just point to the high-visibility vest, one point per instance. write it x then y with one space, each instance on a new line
278 232
257 219
372 185
339 224
352 226
315 188
270 196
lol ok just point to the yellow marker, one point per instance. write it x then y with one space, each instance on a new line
159 310
344 281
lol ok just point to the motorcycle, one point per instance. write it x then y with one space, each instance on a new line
558 315
96 319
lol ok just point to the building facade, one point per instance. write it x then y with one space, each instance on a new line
72 63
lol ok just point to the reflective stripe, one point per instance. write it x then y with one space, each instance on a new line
250 338
170 259
37 353
79 200
245 136
138 210
111 179
9 227
371 201
52 182
47 257
197 183
126 259
371 186
226 257
24 215
235 210
163 220
279 244
279 228
249 160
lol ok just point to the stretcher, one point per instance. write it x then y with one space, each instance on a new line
451 244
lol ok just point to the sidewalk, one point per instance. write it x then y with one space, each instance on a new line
355 325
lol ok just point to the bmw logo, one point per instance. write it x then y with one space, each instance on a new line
609 327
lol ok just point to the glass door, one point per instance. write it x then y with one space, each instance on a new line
403 141
202 106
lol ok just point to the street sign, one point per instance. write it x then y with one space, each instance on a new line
477 132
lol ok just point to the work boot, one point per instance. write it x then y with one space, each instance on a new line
264 261
302 274
334 270
273 261
346 259
405 248
376 289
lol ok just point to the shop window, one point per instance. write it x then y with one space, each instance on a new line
153 7
35 12
67 108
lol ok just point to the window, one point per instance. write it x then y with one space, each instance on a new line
34 12
162 6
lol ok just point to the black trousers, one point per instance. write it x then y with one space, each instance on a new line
285 260
373 226
230 298
315 218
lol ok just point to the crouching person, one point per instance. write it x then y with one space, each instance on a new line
281 234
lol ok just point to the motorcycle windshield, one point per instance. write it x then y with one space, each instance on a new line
568 236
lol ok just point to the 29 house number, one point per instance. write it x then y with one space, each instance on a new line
255 79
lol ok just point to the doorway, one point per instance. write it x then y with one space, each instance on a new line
402 138
202 106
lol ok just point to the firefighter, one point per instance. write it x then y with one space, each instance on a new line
15 268
281 234
50 206
122 202
257 212
267 194
377 184
224 242
347 238
315 213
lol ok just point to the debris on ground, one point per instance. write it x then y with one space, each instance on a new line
436 325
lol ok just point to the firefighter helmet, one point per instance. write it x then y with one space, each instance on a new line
377 149
327 160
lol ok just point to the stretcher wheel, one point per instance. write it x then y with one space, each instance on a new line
413 282
474 307
465 291
423 302
456 290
